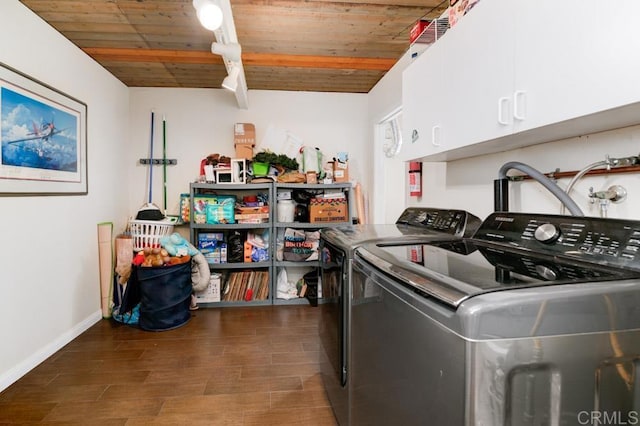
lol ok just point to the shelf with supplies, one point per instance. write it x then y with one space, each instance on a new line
300 212
326 205
276 211
231 225
304 225
240 265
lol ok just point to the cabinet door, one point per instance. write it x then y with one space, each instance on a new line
575 58
422 92
459 91
479 75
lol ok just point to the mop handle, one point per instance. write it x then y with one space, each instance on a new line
151 157
164 162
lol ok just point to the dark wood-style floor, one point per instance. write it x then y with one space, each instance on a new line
226 366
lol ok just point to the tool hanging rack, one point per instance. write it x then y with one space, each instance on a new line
158 161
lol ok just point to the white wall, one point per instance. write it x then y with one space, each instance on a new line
468 183
49 285
200 122
387 175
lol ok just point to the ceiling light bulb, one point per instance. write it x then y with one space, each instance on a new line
231 51
230 82
209 14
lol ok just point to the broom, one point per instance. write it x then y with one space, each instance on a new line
150 211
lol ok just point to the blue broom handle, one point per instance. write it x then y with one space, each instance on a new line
151 158
164 163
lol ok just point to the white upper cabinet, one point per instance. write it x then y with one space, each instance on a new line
421 109
478 76
513 73
575 58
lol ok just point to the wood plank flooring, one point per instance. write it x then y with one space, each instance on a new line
226 366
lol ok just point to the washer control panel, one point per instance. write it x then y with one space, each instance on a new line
547 233
454 222
611 242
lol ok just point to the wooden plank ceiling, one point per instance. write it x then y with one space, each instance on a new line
300 45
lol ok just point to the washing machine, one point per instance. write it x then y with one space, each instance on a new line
337 245
535 320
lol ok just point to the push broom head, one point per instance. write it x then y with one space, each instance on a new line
149 211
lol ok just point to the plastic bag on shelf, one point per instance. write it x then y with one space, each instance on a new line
285 289
300 245
235 248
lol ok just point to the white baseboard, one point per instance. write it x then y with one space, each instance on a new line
11 376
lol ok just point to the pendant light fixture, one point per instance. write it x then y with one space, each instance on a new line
217 16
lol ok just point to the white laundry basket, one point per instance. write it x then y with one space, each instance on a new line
147 233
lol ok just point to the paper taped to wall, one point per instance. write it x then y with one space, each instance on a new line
280 141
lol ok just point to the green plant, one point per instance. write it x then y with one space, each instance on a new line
287 162
274 159
265 157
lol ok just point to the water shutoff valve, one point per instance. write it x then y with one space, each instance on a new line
615 194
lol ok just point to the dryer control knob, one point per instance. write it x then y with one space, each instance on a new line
547 233
547 272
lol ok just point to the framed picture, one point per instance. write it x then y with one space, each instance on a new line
43 138
238 170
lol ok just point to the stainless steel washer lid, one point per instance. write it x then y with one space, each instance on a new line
452 272
414 224
545 310
354 236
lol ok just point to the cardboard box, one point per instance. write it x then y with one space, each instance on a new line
328 210
209 240
213 247
216 255
251 210
417 29
340 172
459 8
244 150
244 133
247 252
312 177
244 139
212 292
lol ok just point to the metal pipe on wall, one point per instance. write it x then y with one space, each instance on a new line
501 195
571 173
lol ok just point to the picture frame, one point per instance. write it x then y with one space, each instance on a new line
43 138
238 168
224 176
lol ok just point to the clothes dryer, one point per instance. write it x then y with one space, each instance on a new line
337 245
